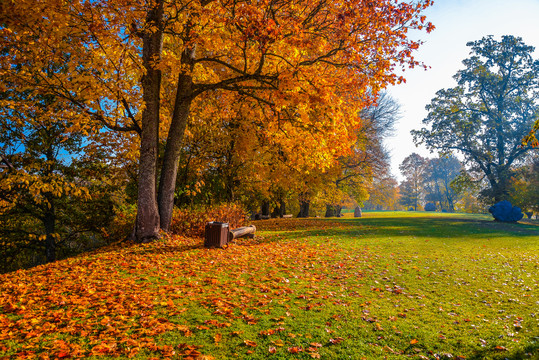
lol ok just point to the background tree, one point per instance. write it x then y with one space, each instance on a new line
488 114
409 195
525 186
55 190
384 194
140 66
354 174
438 175
412 168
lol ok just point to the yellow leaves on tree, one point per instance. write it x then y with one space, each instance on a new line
139 66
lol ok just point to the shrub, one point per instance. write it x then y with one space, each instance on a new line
505 212
122 223
191 222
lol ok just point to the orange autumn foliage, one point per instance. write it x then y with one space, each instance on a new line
187 222
141 66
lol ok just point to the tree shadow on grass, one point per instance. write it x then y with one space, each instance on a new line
368 228
389 227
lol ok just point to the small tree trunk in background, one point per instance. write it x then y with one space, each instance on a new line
330 210
282 208
49 221
304 208
265 208
333 210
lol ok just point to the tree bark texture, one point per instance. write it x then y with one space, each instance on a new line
169 170
147 223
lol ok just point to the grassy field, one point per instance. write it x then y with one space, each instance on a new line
389 285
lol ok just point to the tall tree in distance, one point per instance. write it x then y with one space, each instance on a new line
488 114
383 195
412 168
438 175
368 159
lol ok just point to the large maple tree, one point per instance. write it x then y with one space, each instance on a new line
138 65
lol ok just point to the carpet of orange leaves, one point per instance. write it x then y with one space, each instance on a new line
116 301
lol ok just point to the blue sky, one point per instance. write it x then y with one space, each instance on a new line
457 22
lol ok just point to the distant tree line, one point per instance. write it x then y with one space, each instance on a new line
450 186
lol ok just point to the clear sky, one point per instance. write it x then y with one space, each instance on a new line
457 22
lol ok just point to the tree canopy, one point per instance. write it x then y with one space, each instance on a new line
142 67
486 116
413 168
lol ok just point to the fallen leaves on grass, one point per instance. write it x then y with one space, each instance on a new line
123 300
119 300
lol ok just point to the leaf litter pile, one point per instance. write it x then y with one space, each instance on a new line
302 289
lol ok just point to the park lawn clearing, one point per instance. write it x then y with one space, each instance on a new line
389 285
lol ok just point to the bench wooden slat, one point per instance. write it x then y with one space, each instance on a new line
241 232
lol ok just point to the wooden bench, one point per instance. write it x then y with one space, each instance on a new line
241 232
218 234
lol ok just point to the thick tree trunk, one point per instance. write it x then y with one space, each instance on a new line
499 191
147 223
169 171
333 210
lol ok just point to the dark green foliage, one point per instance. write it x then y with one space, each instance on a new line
486 116
54 194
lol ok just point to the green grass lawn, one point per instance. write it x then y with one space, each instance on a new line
388 285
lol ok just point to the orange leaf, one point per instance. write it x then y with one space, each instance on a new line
414 341
249 343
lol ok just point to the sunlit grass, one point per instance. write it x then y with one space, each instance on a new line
387 285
